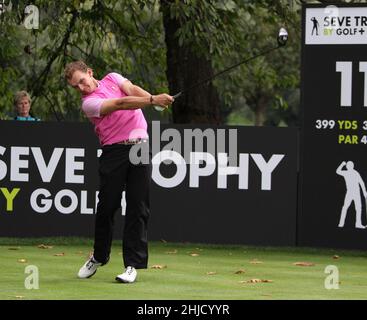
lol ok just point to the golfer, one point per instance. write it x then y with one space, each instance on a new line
113 105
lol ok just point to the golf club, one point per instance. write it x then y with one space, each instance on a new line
282 41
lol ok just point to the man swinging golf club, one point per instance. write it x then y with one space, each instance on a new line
113 105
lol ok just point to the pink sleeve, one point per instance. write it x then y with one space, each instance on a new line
92 107
117 78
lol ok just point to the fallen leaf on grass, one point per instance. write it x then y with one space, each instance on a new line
22 260
194 254
172 252
43 246
158 266
59 254
304 264
211 273
240 271
257 281
14 248
336 257
255 261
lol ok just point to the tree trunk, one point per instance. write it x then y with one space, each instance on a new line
260 111
185 68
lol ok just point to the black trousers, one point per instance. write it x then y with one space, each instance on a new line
116 173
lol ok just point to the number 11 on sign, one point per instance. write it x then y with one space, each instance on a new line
346 70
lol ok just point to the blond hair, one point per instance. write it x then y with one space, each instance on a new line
71 67
20 95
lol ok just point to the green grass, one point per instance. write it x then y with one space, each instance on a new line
185 276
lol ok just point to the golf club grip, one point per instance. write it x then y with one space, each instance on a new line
177 95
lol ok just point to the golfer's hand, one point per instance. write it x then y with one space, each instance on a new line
163 100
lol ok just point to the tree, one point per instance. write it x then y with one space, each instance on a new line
205 37
263 84
187 61
164 45
124 36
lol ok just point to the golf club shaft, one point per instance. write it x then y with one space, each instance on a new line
224 71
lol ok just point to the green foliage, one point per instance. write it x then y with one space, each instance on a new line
205 24
123 36
127 36
259 84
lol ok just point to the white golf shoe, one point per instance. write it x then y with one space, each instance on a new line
89 268
129 276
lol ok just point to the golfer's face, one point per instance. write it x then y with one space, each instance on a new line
83 82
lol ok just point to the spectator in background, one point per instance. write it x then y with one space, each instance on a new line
22 105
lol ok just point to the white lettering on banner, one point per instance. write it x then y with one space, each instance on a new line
196 171
46 170
178 160
3 168
18 164
83 204
266 168
224 170
26 162
46 203
41 201
73 201
71 166
202 164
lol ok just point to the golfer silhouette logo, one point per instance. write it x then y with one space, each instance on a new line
315 26
354 183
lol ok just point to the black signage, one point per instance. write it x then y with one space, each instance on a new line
209 184
333 210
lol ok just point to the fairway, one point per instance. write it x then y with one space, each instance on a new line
181 271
